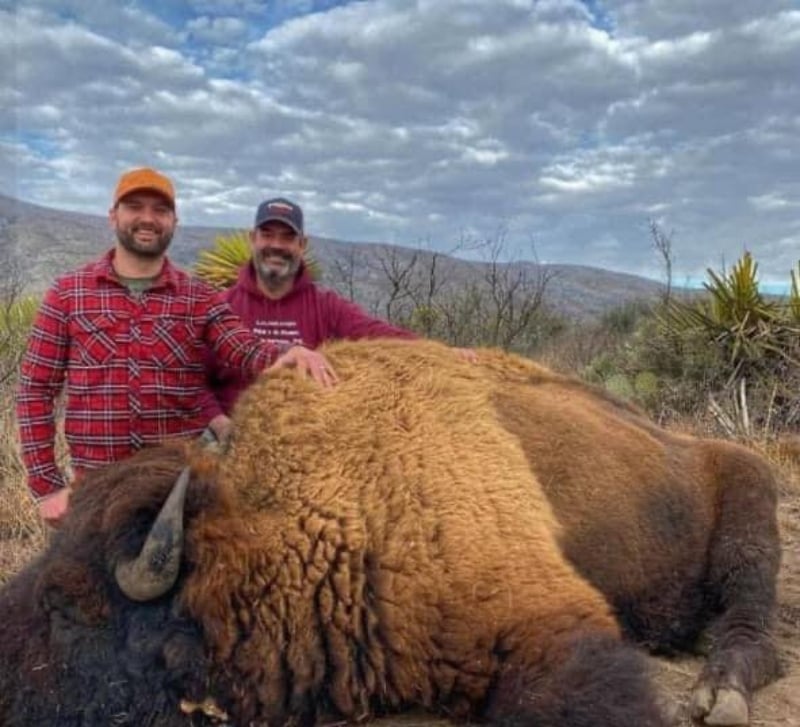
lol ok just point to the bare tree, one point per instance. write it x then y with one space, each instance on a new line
662 243
516 293
496 302
344 273
399 272
459 312
432 288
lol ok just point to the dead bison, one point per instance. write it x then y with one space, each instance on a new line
400 542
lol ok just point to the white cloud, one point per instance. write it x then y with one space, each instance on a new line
667 18
400 121
223 30
773 201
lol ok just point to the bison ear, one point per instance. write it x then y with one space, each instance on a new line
154 571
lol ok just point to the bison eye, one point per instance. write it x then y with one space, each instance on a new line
62 611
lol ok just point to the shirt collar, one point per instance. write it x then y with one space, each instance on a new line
103 269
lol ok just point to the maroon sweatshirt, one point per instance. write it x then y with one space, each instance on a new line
308 315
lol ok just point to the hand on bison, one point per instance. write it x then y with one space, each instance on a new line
310 363
222 428
53 507
470 355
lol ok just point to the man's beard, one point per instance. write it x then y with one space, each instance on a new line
274 278
152 249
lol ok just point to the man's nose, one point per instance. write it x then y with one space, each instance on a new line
148 214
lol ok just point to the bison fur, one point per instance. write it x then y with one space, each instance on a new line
468 539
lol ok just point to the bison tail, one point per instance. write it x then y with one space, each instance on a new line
601 683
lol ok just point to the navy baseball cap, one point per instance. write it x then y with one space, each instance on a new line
280 210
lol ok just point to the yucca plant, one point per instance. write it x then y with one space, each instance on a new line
794 296
220 265
735 315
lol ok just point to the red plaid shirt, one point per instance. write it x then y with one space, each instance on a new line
133 365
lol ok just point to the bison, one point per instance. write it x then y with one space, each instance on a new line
470 539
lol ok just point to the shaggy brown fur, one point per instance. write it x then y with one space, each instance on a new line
400 541
396 550
679 533
75 652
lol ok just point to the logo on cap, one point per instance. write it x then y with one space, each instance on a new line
280 210
284 206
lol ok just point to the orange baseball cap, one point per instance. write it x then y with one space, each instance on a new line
144 178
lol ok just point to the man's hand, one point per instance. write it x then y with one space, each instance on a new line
222 426
467 354
310 363
53 507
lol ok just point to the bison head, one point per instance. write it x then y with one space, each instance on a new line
93 631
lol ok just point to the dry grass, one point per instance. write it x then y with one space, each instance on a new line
21 531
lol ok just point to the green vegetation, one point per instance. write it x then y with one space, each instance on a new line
16 318
220 265
731 355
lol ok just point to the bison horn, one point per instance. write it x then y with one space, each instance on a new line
154 571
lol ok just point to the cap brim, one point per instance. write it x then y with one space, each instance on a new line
286 222
146 188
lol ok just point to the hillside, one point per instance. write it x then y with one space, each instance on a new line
44 242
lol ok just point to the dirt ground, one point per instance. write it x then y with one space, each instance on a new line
776 705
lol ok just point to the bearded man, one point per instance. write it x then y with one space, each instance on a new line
278 300
126 336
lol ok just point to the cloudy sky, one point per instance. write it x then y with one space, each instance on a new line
563 123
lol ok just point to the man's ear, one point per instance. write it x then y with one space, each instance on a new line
303 243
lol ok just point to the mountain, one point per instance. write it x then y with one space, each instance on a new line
44 242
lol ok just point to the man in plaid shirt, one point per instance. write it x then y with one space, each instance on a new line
127 334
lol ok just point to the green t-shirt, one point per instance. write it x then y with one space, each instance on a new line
137 286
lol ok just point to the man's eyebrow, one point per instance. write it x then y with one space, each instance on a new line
138 201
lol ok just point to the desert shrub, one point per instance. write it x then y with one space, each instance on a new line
622 320
730 355
621 386
16 318
592 349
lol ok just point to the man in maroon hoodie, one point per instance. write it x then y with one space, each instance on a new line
277 299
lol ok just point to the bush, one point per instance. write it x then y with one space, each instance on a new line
16 318
730 355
